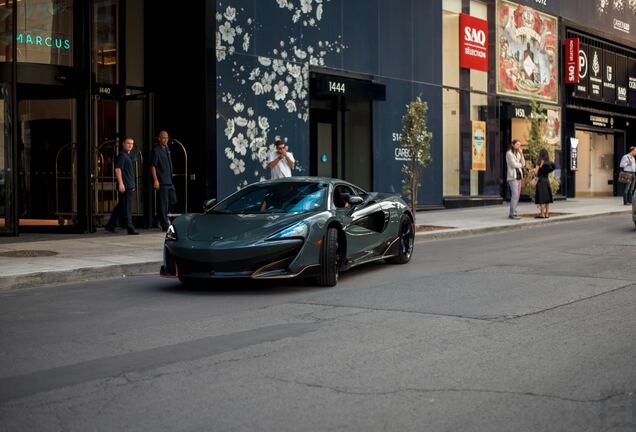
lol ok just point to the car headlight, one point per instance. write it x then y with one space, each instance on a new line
298 230
171 234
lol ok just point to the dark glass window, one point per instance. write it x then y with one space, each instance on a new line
45 32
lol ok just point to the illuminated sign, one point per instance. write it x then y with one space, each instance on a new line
473 39
44 41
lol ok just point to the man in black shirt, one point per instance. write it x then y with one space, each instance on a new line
161 169
126 183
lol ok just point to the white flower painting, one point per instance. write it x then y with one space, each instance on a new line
270 88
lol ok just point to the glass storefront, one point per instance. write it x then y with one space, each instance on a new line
45 32
465 107
5 157
105 41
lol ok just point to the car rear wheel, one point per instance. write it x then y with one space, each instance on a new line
329 259
406 240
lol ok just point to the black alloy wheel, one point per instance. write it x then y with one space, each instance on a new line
329 259
406 240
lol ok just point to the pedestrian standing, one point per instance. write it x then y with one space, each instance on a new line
161 170
126 184
281 161
628 164
515 163
543 194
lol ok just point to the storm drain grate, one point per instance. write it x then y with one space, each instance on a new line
27 253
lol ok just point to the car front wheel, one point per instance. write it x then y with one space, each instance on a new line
329 259
406 241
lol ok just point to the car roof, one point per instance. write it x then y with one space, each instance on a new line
308 179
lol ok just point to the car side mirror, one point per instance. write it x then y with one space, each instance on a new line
208 204
355 200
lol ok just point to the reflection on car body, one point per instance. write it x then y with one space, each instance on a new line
302 226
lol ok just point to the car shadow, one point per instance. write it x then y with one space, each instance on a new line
241 287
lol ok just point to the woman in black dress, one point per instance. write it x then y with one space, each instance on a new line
543 194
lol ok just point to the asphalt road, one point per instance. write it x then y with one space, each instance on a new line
533 330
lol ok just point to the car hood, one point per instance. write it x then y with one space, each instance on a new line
239 227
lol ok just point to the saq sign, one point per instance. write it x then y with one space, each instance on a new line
473 37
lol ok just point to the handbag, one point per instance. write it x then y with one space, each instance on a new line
624 177
534 179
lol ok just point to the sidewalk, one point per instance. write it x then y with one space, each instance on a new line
58 258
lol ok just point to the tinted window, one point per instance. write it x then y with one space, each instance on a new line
293 197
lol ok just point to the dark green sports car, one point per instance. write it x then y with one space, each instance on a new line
294 227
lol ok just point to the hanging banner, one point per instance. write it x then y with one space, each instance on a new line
609 77
631 82
572 61
473 43
527 52
582 88
574 154
479 146
621 79
596 72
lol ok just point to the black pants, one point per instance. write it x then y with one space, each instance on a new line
166 199
123 209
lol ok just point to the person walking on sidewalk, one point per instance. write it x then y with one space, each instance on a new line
515 163
126 184
161 170
628 164
543 192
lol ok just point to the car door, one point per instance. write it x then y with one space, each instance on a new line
365 226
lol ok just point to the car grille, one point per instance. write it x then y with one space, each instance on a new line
247 266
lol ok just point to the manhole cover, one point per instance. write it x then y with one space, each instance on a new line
27 253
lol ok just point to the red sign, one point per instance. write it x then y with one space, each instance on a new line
473 43
572 61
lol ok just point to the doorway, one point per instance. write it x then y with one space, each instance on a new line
47 162
114 118
341 139
595 174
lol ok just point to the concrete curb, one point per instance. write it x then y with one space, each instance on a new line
38 279
461 232
31 280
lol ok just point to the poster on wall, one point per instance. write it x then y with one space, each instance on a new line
582 88
479 146
596 70
631 82
551 127
609 77
527 52
621 79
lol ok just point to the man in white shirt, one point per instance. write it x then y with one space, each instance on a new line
628 164
281 162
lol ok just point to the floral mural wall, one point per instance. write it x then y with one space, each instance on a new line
263 55
527 52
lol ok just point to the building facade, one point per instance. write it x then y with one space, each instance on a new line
332 78
226 78
76 77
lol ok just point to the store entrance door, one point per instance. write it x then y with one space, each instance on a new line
595 174
341 140
117 114
47 162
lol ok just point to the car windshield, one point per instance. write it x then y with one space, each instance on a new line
292 197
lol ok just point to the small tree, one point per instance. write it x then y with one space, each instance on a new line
416 138
536 141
